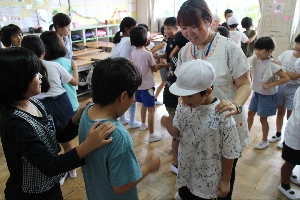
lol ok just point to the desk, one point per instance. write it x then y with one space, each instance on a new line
97 45
95 56
84 51
83 65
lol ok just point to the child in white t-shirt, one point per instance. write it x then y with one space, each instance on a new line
145 93
238 36
209 141
287 91
264 79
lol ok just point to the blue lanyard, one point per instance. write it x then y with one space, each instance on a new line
208 49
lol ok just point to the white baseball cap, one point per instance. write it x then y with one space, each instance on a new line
232 20
193 77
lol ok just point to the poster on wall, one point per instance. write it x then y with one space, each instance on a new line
278 7
10 15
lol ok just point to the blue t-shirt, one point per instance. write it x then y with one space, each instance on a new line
68 45
114 164
70 89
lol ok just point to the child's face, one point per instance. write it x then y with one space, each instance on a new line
262 54
170 31
194 100
63 31
34 87
297 49
16 39
228 15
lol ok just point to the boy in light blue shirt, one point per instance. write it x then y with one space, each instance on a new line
113 172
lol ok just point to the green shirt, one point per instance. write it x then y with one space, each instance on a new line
248 49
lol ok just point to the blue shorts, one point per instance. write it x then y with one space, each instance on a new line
60 106
146 97
285 95
263 105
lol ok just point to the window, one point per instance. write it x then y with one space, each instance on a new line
245 8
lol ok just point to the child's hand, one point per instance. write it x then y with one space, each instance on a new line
162 45
223 188
156 56
152 162
266 85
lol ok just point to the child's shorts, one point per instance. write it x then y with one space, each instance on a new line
290 155
286 93
146 97
264 105
164 74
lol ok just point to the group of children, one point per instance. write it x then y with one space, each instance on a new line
118 82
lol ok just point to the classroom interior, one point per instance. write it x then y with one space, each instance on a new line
257 172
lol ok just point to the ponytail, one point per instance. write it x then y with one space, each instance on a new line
45 86
117 37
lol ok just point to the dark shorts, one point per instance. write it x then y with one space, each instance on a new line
290 155
185 193
263 105
146 97
60 106
164 74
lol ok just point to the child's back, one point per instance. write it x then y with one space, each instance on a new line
248 48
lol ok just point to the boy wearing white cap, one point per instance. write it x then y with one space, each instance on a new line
208 140
238 36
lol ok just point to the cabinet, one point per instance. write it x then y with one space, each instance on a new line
111 30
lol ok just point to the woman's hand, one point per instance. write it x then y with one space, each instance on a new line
226 105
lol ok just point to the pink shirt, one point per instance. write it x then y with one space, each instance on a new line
144 60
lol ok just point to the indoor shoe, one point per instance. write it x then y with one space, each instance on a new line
134 125
158 102
291 194
143 126
73 173
262 145
62 180
174 169
126 121
177 197
274 138
280 145
295 179
155 137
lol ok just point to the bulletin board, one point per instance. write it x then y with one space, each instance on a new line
90 12
31 13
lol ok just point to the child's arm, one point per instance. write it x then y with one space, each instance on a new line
154 68
151 164
168 123
283 79
293 76
224 184
252 38
74 80
164 56
158 47
173 51
167 65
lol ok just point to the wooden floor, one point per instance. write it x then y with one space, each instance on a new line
257 172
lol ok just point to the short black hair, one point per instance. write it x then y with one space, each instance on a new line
111 77
34 44
227 11
54 46
222 30
145 26
180 39
7 32
233 25
265 42
138 36
297 39
18 67
246 22
61 20
170 21
51 27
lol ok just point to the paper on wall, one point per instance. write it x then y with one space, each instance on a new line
64 2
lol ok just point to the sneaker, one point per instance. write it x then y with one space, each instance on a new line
158 102
143 126
262 145
280 145
154 137
295 179
174 169
291 194
62 180
73 173
177 197
274 138
134 125
126 121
